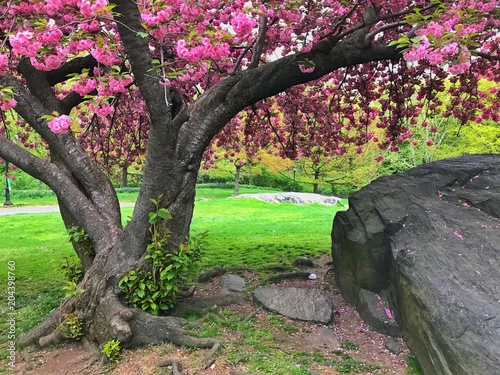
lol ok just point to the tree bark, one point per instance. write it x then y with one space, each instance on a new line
124 183
237 181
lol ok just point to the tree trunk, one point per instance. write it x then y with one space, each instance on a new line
124 177
100 308
316 184
237 181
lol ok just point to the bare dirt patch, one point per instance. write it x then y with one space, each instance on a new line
308 338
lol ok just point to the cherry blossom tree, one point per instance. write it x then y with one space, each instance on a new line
193 66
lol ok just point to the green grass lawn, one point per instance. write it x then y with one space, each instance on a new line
242 232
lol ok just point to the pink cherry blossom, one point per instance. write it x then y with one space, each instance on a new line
60 124
4 64
5 105
242 24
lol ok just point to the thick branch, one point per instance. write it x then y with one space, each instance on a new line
89 217
96 184
39 87
40 83
75 65
129 25
161 163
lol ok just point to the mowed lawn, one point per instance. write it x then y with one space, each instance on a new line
241 232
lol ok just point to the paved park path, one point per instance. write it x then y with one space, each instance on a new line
10 210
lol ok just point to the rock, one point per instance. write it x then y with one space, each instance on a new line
377 313
297 303
393 345
231 284
297 198
322 336
430 240
303 262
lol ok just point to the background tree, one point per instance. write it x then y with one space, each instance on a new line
196 66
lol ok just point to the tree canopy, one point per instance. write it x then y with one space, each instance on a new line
194 45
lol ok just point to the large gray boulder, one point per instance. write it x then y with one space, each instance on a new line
429 241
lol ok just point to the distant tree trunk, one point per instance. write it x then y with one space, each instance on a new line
237 181
124 177
316 184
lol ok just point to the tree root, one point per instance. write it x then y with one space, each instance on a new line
174 363
131 326
210 275
48 333
250 316
188 292
207 302
213 344
150 329
288 276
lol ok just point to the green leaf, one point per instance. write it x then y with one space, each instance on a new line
164 214
153 217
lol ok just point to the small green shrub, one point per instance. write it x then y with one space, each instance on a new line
157 290
78 235
72 269
112 350
71 327
71 290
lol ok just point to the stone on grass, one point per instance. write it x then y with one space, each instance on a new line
297 303
231 284
303 262
393 345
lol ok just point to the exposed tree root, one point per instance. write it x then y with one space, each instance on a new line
288 276
174 363
207 302
188 292
48 333
131 326
211 274
149 329
250 316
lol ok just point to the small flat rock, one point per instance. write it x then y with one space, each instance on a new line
393 345
303 262
296 303
323 337
232 284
